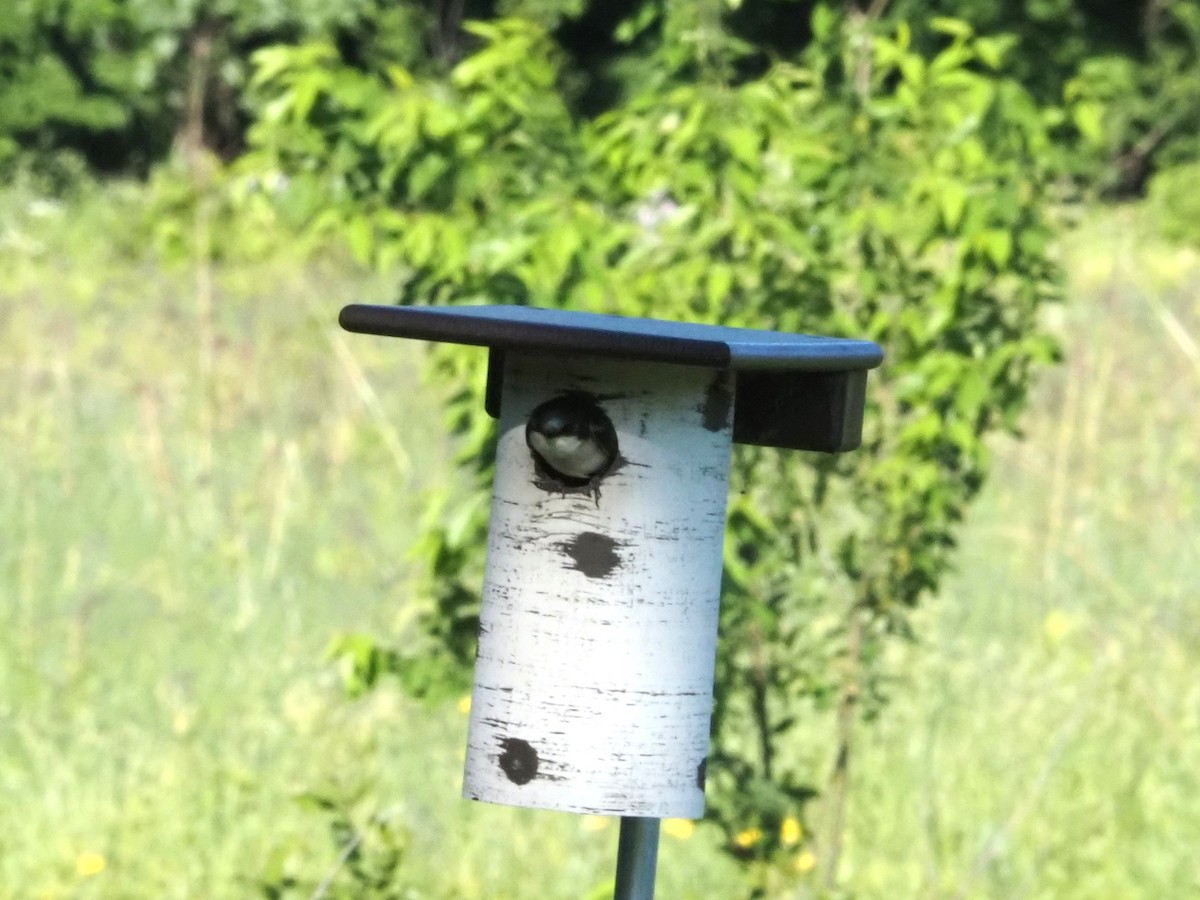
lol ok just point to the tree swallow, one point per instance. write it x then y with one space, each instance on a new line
572 440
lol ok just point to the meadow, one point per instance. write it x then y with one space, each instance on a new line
202 480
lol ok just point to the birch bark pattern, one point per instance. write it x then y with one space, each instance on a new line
598 626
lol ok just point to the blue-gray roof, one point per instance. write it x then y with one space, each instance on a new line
649 340
794 391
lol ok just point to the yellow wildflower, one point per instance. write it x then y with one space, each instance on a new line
790 831
748 838
805 861
90 863
1056 625
464 704
594 823
679 828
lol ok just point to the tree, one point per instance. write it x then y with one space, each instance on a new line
864 190
124 81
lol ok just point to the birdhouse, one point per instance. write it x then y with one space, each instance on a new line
598 623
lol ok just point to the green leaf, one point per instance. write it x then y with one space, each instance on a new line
745 145
631 28
425 174
956 28
998 244
993 50
718 283
1089 119
823 21
360 235
952 199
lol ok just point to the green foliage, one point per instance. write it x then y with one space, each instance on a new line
369 851
1174 203
1137 114
126 81
872 192
1125 71
62 69
1052 37
122 80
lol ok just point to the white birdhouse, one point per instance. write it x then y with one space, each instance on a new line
598 624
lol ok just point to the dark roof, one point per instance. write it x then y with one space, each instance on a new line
649 340
795 391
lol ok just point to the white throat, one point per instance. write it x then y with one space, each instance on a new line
570 455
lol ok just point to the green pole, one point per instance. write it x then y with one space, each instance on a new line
637 859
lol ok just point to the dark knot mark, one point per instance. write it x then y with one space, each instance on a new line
519 760
718 401
595 555
702 773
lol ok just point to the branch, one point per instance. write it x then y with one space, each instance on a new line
758 703
839 781
347 851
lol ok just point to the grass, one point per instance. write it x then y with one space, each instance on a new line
182 528
188 511
1051 747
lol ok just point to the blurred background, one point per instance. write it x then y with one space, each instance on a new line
238 547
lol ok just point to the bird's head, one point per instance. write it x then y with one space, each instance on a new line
572 438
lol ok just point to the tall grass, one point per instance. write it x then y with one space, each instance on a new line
185 519
1049 744
176 548
188 511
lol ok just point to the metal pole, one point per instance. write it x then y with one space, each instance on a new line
637 858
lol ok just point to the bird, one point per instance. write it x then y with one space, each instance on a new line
572 440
